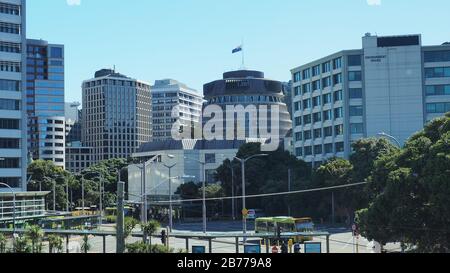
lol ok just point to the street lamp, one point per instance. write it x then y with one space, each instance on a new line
14 206
243 161
101 190
169 167
383 134
204 189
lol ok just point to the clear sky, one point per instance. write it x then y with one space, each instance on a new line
192 40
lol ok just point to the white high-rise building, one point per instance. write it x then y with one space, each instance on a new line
393 85
13 125
169 94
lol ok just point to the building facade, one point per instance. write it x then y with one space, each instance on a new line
45 101
78 158
168 95
116 115
249 88
13 125
393 85
73 123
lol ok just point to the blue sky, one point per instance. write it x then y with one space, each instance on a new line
191 40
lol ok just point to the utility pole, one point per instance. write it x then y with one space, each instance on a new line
332 208
289 190
233 201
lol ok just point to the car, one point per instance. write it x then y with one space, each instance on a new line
255 213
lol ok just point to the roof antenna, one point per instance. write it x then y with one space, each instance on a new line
114 68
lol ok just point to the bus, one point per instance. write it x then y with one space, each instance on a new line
287 224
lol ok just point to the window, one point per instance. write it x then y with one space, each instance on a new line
318 149
8 104
298 121
9 85
338 96
317 133
338 113
10 66
298 136
326 82
12 124
316 101
354 76
437 56
9 28
306 74
440 108
326 98
337 63
299 152
307 135
10 163
337 79
437 72
296 106
328 131
9 143
306 104
10 47
328 148
340 147
316 85
316 70
326 67
354 60
307 119
436 90
10 9
356 111
327 115
297 77
297 90
306 88
308 151
210 158
357 128
56 52
317 117
355 93
339 130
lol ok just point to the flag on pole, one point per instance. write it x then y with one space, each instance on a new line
237 49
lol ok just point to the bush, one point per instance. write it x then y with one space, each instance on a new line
22 245
141 247
111 219
2 243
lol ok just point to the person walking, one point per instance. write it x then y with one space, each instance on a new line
297 248
163 237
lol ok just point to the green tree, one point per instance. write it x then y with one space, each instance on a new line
413 193
55 244
130 225
2 243
22 245
35 235
149 229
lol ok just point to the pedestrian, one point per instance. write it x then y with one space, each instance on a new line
275 249
284 248
297 248
163 237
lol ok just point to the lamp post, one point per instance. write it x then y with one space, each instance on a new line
204 190
243 161
14 207
383 134
170 167
101 190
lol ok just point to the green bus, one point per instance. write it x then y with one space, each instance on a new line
287 224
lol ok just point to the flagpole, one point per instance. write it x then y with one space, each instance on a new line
243 54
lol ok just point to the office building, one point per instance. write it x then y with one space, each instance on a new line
168 95
13 125
116 115
78 157
249 88
45 101
73 123
392 85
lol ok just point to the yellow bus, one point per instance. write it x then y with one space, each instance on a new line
287 224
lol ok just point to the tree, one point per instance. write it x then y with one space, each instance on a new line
149 229
188 190
85 246
130 225
22 245
413 193
55 244
35 235
2 243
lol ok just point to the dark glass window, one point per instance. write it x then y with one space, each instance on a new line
356 111
354 76
435 90
56 52
340 147
10 163
328 131
357 128
355 93
9 143
339 130
437 56
354 60
318 149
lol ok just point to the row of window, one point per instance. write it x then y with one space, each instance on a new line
14 182
9 28
440 107
10 66
11 124
10 47
10 85
9 143
437 72
10 9
319 100
116 83
320 149
435 90
353 60
10 163
437 56
244 99
9 104
318 117
320 133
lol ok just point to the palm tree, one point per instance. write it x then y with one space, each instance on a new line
21 245
149 229
55 243
35 234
